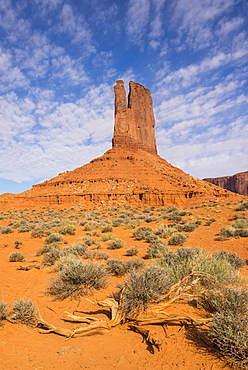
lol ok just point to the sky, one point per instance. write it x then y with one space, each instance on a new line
59 60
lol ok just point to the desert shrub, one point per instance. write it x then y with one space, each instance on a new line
181 262
146 210
17 243
51 257
230 232
177 239
243 206
53 238
119 221
142 232
25 228
108 236
233 258
89 241
132 251
24 311
107 229
116 244
6 230
67 230
135 264
91 225
116 267
157 249
39 232
190 227
229 334
240 223
3 311
101 255
16 257
151 219
76 278
47 248
78 249
220 269
141 288
174 217
230 300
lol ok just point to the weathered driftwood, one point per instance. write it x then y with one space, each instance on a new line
155 314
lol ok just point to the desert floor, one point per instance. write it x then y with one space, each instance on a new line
23 347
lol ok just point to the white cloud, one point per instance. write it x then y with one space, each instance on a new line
137 19
41 137
196 20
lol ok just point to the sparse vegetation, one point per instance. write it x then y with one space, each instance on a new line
16 257
76 278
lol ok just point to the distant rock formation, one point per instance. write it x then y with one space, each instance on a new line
134 121
237 183
129 173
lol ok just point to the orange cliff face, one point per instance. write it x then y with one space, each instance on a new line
237 183
130 173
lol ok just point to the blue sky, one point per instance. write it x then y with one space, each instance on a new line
59 61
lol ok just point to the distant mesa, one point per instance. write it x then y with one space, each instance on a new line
237 183
130 173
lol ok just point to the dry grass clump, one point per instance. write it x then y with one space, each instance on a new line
76 278
24 312
142 288
16 257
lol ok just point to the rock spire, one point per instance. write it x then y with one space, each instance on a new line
134 119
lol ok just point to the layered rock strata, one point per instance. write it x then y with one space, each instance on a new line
237 183
130 173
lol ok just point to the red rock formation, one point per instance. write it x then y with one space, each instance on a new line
130 173
237 183
134 122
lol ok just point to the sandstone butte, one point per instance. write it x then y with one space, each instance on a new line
130 173
237 183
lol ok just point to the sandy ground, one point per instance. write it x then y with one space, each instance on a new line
22 347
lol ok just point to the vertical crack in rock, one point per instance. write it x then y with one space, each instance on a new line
134 120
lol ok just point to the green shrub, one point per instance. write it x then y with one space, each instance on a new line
6 230
76 278
132 251
243 206
141 288
229 334
157 249
53 238
108 236
17 243
177 239
51 257
16 257
107 229
24 311
135 264
92 225
47 248
116 267
39 232
233 258
116 244
240 223
25 228
190 227
67 230
142 232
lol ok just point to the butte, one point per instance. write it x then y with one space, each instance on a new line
131 172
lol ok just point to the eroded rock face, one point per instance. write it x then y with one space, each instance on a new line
237 183
134 119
